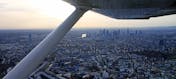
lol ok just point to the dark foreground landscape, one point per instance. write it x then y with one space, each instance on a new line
96 53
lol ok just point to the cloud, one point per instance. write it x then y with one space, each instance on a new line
2 5
17 14
14 6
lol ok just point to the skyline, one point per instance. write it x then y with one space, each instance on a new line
45 14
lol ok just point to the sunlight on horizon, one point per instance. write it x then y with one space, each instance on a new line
48 14
55 8
61 10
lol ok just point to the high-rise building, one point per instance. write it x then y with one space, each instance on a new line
30 38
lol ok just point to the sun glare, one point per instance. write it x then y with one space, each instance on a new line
52 8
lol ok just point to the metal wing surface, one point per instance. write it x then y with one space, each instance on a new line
129 9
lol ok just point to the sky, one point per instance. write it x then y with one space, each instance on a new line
48 14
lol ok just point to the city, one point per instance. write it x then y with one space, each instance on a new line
120 53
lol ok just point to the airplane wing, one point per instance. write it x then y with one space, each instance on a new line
129 9
119 9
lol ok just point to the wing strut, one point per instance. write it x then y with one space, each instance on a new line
29 63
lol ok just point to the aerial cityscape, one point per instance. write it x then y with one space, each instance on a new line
119 53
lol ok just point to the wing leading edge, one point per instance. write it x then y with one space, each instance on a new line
129 9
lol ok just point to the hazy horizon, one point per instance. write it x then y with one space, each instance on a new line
46 14
115 28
